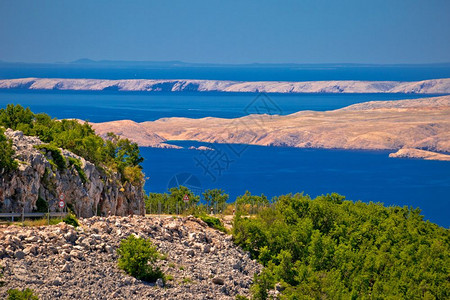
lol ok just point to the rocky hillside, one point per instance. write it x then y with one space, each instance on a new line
433 86
61 262
88 190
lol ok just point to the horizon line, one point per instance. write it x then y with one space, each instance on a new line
179 63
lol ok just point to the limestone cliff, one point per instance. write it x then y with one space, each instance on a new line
88 189
432 86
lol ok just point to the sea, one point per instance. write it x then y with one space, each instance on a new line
359 175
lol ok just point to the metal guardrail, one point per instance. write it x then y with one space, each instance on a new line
32 215
23 215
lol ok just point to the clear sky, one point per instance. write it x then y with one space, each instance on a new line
218 31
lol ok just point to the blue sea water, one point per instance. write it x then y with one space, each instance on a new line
235 72
360 175
102 106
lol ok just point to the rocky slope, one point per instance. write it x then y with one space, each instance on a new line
433 86
92 193
60 262
378 125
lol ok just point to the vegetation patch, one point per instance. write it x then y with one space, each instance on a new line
26 294
329 248
71 219
138 257
41 205
76 163
212 222
55 152
7 154
114 153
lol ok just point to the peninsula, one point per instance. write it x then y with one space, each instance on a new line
406 125
433 86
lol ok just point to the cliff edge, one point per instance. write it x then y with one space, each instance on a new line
43 175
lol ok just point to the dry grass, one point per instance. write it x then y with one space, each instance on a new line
36 222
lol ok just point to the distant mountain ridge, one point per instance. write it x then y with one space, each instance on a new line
433 86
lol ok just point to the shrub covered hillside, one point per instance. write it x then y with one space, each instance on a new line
328 248
115 154
7 162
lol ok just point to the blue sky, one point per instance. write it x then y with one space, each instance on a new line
213 31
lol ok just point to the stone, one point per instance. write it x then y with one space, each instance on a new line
32 239
70 236
206 248
57 282
160 282
19 254
279 287
237 265
109 249
218 280
66 268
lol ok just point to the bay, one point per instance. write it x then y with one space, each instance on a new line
359 175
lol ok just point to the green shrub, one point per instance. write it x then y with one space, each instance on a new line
187 280
41 205
56 154
137 257
330 248
76 163
113 154
169 277
212 222
26 294
71 220
7 153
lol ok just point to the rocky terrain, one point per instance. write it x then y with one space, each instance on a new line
93 192
422 124
433 86
61 262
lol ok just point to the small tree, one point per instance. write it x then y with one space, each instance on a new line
215 197
137 257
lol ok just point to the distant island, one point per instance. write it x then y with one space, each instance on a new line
433 86
416 128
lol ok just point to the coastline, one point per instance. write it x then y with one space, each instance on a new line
417 125
431 86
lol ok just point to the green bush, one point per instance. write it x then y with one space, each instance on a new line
76 163
26 294
212 222
56 154
71 220
329 248
114 153
137 257
7 153
41 205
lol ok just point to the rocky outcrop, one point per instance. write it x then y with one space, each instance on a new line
88 190
61 262
420 154
432 86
